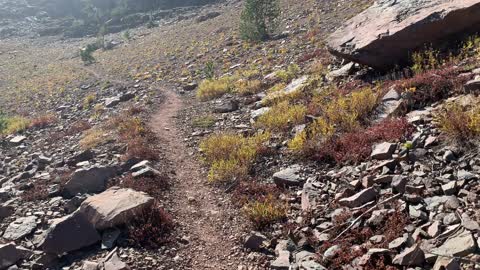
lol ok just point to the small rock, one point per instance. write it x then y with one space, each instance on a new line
255 241
383 151
359 199
413 256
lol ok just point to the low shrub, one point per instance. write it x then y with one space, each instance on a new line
459 123
151 229
431 86
230 156
92 138
356 146
247 87
266 211
43 121
12 125
211 89
289 74
89 100
153 186
251 190
282 117
78 127
204 122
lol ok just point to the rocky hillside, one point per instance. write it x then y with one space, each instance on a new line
346 140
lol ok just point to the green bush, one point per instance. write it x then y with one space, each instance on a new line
86 54
259 19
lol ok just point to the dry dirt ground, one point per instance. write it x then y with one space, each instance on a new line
203 214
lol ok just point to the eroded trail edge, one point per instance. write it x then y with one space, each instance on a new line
206 218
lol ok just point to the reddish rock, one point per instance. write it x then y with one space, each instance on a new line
386 33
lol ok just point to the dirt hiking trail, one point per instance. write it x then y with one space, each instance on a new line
200 210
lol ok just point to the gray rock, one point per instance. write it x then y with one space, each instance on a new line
282 262
91 180
146 172
341 72
288 177
383 151
67 234
20 228
460 244
444 263
450 219
112 102
359 199
255 241
227 106
398 183
114 263
472 85
88 265
17 140
9 255
413 256
311 265
114 207
310 195
372 37
254 115
331 252
79 157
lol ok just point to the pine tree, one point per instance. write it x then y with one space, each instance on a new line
259 19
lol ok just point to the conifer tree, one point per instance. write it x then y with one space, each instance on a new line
259 19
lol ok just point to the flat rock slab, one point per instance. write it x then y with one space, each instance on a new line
459 245
386 33
93 180
9 255
20 228
17 140
288 177
67 234
359 199
115 206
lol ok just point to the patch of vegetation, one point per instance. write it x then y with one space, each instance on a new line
282 117
151 229
204 122
86 54
246 87
89 100
266 211
459 123
43 121
289 74
211 89
336 114
92 138
12 125
209 70
230 156
259 19
135 134
356 146
431 86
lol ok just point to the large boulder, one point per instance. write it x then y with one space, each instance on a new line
67 234
93 180
10 254
386 33
115 206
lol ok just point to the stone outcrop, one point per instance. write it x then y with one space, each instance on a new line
114 207
386 33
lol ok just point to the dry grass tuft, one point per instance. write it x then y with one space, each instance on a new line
211 89
282 117
92 138
43 121
265 211
230 156
459 123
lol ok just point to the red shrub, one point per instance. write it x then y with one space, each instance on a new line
151 229
432 86
43 121
78 127
317 54
152 186
356 146
248 191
